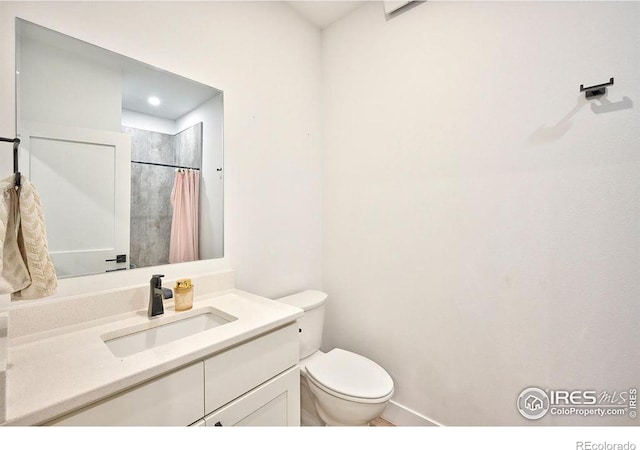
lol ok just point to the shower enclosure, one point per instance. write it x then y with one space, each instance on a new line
154 159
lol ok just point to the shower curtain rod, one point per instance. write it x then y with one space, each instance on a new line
166 165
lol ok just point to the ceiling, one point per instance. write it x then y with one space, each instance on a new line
324 13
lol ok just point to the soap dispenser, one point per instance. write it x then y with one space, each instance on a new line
183 294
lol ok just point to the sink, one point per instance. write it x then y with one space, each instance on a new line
133 340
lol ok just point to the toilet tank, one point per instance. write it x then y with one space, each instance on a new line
311 323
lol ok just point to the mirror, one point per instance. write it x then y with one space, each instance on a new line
127 158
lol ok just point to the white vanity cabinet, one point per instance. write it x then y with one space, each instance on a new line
230 374
172 399
253 383
275 403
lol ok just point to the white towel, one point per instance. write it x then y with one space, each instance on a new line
14 275
31 241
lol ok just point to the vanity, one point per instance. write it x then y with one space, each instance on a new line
230 360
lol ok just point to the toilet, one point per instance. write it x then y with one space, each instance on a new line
338 387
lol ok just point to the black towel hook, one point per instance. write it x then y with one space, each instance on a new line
597 90
16 145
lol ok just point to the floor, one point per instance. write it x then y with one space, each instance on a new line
380 422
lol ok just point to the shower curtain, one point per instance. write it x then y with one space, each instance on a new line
184 224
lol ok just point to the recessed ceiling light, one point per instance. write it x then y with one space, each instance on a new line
155 101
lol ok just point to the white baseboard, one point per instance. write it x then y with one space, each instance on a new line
402 416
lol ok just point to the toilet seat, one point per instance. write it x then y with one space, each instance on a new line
350 376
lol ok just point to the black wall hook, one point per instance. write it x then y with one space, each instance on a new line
16 144
596 90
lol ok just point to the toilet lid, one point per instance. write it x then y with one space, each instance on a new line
350 374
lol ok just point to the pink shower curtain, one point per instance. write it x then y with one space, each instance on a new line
184 225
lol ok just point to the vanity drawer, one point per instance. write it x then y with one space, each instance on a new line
230 374
172 399
276 403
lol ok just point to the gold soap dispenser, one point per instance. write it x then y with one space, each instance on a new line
183 294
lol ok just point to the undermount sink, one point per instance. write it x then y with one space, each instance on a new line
132 340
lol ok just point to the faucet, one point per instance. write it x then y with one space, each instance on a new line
157 294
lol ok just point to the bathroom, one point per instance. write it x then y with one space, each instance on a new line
471 215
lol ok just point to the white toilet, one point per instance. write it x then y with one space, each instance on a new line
338 387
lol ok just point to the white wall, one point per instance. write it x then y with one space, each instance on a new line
67 95
211 114
267 60
482 219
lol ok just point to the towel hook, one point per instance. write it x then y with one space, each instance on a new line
16 145
596 90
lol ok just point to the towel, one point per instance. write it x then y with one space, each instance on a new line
14 275
28 233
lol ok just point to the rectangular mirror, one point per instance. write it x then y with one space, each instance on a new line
127 158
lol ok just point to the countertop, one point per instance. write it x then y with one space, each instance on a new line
53 373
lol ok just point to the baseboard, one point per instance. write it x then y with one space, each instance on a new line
402 416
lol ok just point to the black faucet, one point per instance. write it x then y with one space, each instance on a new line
157 294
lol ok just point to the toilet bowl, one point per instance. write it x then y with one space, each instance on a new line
338 387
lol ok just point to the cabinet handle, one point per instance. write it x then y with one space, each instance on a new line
217 424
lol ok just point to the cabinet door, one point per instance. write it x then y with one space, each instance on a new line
173 399
274 403
230 374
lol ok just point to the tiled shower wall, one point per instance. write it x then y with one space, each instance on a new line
151 187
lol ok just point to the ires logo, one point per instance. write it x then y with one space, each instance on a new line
534 403
559 398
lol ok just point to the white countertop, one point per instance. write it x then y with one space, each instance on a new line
55 372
